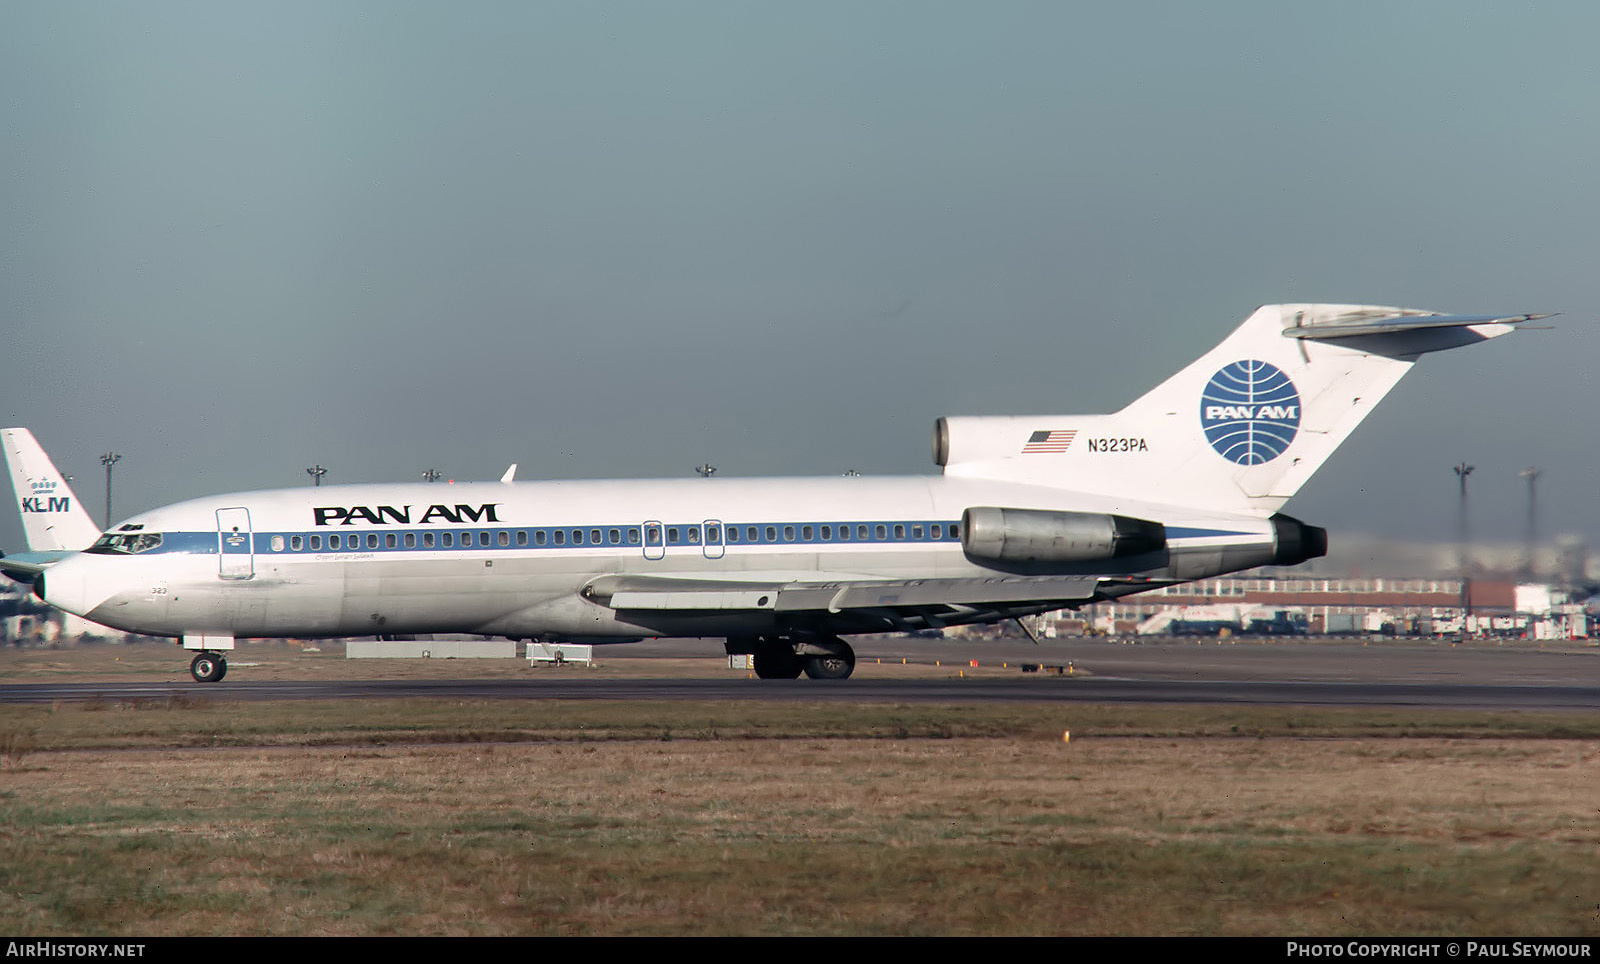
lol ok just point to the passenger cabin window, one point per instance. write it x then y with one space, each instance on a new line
522 537
427 540
633 537
505 538
446 540
335 542
411 540
483 538
883 532
316 543
805 533
899 532
295 543
372 540
616 537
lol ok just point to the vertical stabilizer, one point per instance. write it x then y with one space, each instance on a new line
52 517
1239 430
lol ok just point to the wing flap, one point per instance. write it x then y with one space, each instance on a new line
658 593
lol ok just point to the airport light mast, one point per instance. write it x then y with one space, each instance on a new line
108 460
1532 475
1462 471
316 472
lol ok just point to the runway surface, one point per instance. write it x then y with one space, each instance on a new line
1438 676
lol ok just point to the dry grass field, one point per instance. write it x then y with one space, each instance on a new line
186 817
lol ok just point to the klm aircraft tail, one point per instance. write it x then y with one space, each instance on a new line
1239 430
52 517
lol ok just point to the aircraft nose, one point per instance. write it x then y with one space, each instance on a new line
69 586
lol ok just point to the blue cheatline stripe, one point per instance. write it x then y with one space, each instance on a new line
550 538
545 538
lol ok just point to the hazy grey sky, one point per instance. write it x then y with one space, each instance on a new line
620 239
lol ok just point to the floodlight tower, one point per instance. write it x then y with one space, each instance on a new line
1532 475
1462 471
108 460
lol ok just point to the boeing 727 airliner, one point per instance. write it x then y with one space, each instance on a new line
1031 514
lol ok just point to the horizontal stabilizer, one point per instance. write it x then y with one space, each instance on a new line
24 566
1347 326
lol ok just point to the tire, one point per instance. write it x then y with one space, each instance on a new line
834 666
208 668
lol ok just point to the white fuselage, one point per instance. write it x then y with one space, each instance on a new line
514 559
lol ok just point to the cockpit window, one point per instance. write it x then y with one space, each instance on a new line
125 543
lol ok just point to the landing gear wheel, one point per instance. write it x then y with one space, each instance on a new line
837 665
208 668
777 662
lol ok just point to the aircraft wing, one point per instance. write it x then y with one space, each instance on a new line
925 599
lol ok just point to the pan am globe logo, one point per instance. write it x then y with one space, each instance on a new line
1250 412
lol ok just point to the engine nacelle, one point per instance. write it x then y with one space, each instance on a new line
1293 542
1042 536
979 438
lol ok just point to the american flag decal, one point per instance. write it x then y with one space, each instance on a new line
1056 441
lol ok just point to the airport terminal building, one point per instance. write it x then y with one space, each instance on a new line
1261 604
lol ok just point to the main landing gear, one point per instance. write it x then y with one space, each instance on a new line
823 657
208 668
